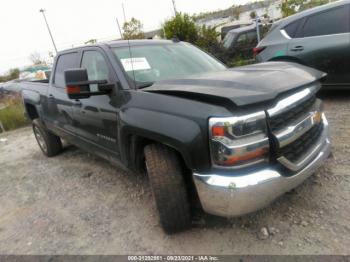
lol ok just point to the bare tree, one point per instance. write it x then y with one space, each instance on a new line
36 58
133 29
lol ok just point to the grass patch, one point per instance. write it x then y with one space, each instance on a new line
12 116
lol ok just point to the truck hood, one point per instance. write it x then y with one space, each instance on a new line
243 85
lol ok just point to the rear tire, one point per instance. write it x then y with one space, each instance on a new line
169 189
49 143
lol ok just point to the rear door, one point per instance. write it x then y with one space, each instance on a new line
322 41
58 107
95 119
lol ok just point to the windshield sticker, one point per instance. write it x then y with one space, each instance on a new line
136 63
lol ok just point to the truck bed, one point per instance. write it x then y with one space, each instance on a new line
31 91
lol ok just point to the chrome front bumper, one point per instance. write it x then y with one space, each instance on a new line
233 194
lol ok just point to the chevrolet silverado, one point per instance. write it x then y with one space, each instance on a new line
236 139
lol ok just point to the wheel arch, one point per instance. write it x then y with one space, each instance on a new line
187 136
31 111
134 143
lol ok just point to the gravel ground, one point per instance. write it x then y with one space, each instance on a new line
76 203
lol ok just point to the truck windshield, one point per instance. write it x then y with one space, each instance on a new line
152 63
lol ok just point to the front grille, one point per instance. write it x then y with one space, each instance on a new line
282 120
294 150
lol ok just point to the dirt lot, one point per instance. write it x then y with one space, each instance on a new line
76 203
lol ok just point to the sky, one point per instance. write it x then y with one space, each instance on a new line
73 22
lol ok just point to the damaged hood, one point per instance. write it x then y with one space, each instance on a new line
243 85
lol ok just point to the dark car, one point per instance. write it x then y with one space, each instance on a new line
241 41
235 138
227 29
318 37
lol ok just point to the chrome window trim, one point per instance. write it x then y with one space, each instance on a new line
346 33
285 34
292 101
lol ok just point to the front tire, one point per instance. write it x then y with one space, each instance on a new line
169 189
49 143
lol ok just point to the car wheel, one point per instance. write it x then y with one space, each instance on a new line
168 186
49 143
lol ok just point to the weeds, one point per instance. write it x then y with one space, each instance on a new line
12 113
240 61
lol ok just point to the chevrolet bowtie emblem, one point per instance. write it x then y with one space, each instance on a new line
317 117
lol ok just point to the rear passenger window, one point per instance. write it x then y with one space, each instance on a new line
251 37
292 28
242 38
64 62
334 21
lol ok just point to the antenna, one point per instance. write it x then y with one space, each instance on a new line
130 53
120 31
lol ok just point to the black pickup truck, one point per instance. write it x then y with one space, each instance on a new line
235 139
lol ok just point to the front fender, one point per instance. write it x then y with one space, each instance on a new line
186 136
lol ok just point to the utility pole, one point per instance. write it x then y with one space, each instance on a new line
48 28
257 20
174 7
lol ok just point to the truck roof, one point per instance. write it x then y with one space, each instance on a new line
121 43
243 29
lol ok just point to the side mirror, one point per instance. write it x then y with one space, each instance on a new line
78 84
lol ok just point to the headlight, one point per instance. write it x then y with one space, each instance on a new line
238 141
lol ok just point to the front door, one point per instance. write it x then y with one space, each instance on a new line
96 118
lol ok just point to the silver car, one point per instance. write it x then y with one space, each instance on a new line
318 37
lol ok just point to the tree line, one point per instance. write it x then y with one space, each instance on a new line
11 75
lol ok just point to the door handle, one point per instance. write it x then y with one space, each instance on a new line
297 48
